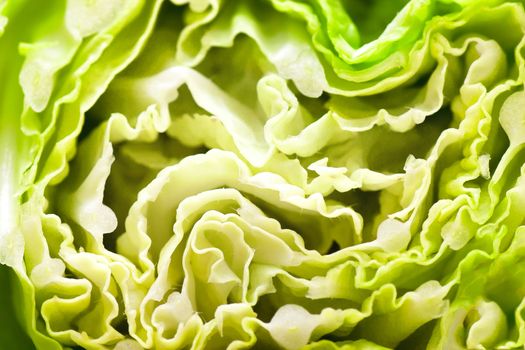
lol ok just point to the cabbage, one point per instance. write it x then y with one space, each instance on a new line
272 174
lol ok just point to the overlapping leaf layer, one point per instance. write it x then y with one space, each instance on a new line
237 174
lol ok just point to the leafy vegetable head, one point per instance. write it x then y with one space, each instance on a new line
262 174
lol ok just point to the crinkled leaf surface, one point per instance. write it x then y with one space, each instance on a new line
272 174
